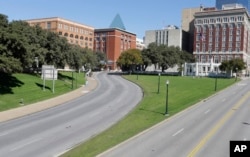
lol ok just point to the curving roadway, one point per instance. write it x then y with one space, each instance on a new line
53 131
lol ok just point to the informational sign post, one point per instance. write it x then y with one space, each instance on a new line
49 73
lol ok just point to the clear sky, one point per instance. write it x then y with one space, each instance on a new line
137 15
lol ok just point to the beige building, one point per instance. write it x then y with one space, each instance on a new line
187 26
74 32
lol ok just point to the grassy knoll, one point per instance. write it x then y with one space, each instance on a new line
29 88
183 92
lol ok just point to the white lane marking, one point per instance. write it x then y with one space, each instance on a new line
178 132
3 134
85 91
25 144
207 111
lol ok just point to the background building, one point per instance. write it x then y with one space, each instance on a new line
220 3
220 35
140 44
187 26
170 36
75 33
113 41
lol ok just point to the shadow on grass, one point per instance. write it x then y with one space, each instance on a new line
7 82
64 77
41 86
152 111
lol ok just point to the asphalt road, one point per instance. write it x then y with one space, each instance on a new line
53 131
203 130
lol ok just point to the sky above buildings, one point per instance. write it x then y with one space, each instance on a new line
137 15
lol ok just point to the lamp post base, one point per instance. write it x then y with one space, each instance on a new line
166 114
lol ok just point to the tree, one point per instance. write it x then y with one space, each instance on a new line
129 59
235 65
146 58
170 56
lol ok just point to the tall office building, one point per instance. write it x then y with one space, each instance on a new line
245 3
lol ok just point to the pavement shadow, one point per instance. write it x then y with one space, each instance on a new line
7 82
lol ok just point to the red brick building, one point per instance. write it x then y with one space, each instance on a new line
112 42
221 35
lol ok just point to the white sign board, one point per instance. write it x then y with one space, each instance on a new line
49 72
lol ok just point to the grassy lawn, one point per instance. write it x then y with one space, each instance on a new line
29 88
183 92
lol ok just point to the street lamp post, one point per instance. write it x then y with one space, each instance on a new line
236 74
166 113
159 79
215 87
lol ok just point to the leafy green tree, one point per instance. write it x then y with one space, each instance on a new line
235 65
154 54
170 56
129 59
146 58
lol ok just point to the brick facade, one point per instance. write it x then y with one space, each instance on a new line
112 42
75 33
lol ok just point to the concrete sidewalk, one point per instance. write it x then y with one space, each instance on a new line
39 106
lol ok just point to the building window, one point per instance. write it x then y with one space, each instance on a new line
197 47
210 39
216 59
76 30
231 26
238 32
198 29
71 29
231 31
60 26
224 32
238 38
223 58
230 38
224 38
218 20
66 27
230 44
225 19
238 25
237 44
217 39
48 25
203 59
240 18
216 44
217 33
223 44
